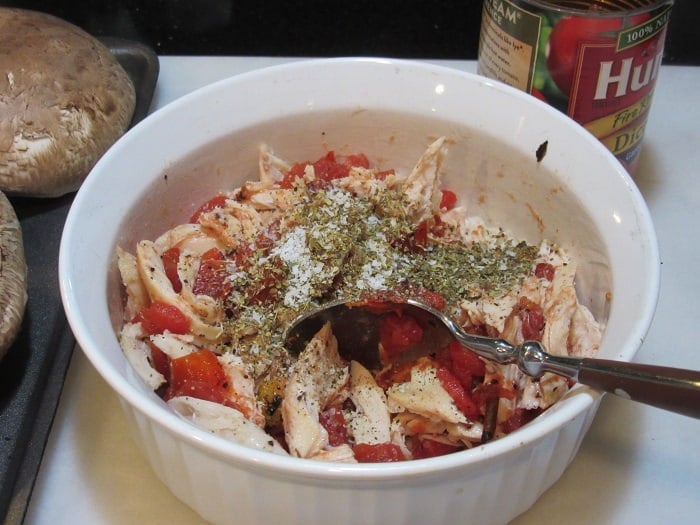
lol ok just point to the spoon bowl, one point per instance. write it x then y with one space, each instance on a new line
355 326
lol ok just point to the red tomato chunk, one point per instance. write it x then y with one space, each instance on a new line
216 202
377 453
170 258
211 276
159 317
532 318
544 271
398 333
465 364
326 169
449 199
429 448
458 393
199 375
333 421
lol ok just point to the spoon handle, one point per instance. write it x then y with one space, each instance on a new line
672 389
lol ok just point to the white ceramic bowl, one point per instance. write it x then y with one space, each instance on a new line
578 195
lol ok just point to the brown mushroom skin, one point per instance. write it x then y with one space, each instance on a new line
13 276
64 100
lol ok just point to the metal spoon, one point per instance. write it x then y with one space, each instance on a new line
355 327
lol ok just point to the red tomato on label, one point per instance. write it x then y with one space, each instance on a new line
564 41
570 31
538 94
379 453
159 317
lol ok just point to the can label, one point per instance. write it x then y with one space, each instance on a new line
597 63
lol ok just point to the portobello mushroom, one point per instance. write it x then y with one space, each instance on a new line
64 100
13 276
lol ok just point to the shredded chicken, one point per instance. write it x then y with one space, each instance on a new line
318 376
370 421
287 246
226 422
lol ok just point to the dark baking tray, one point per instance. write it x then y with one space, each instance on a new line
33 371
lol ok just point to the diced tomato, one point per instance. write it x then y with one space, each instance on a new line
295 172
211 276
333 421
160 316
265 289
201 365
448 200
519 418
390 300
170 258
199 374
465 364
381 305
245 253
544 271
398 332
458 393
200 390
532 319
429 448
267 239
433 299
377 453
243 256
326 168
358 160
217 202
439 228
160 360
420 237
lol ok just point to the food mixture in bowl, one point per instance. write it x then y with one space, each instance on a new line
207 304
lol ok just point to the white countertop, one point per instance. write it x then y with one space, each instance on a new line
637 465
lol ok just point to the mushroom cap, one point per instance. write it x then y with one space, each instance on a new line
64 100
13 275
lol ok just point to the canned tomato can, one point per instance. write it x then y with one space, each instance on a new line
595 60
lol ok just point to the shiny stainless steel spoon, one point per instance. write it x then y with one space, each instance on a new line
356 329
